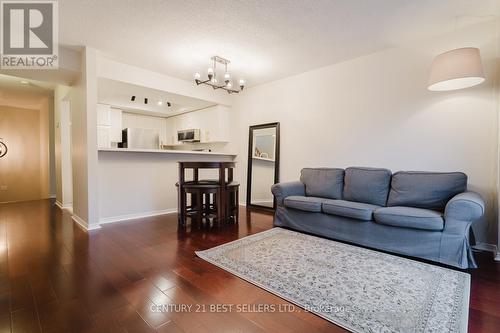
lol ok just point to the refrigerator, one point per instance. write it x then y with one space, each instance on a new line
140 138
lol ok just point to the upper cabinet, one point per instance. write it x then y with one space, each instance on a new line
213 123
116 125
103 115
109 126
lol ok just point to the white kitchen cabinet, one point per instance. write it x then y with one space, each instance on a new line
116 125
103 115
103 137
213 123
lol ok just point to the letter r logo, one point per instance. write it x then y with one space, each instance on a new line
27 27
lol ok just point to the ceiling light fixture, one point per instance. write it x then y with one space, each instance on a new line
456 69
212 79
160 102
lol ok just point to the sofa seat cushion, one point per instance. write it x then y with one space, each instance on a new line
409 217
355 210
308 204
367 185
323 182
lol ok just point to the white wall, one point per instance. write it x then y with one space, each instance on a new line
83 99
134 185
376 111
62 149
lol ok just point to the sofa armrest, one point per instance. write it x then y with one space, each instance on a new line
283 190
467 206
462 210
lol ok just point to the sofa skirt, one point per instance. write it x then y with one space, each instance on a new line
448 249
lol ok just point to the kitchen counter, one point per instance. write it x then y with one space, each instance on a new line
164 151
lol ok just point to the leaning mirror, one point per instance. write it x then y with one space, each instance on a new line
263 165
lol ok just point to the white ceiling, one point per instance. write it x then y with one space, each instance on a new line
264 39
119 94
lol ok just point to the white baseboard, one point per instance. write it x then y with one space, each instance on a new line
66 206
83 224
488 248
261 201
127 217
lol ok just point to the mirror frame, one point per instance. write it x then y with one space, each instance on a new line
250 159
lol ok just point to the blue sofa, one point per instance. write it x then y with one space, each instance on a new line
419 214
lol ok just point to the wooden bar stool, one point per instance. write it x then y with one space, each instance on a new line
232 201
205 204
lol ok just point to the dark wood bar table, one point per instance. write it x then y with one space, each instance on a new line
196 166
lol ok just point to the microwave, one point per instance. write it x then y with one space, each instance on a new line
190 135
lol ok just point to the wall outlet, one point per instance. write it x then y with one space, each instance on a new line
4 187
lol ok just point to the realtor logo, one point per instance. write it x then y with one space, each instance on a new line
29 31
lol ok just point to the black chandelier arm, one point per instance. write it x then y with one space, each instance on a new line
198 82
215 86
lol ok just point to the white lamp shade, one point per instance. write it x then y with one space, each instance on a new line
456 69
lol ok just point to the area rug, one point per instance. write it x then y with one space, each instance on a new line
358 289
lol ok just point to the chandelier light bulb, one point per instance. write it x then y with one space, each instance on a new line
227 76
229 84
210 73
214 80
197 76
242 83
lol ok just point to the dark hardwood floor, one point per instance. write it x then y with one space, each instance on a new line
54 277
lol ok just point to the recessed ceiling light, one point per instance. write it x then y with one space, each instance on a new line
160 102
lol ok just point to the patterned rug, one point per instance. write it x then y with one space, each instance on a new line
358 289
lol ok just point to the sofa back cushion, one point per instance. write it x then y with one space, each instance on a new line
367 185
323 182
430 190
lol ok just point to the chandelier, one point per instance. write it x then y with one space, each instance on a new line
212 80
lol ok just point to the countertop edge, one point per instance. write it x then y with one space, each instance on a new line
162 151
